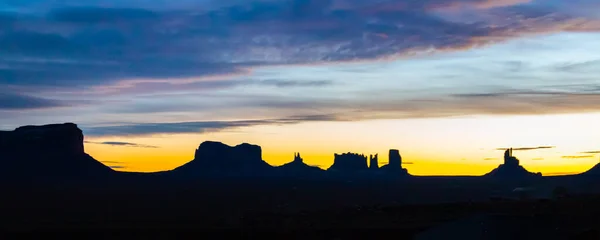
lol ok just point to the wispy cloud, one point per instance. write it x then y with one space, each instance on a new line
166 85
111 162
194 127
591 152
578 156
527 148
117 167
20 102
560 173
123 144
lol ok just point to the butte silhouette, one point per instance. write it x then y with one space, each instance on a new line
511 169
32 153
56 151
216 158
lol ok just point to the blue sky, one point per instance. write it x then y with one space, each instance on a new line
448 82
114 63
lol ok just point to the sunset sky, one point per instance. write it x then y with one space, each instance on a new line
447 82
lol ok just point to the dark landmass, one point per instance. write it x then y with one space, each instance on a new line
218 158
511 169
46 153
49 183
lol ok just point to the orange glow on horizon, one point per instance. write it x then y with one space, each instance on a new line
445 146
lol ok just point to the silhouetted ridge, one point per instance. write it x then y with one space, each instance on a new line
511 168
594 171
219 157
49 151
297 166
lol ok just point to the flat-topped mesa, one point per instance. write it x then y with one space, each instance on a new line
349 162
216 156
54 150
64 138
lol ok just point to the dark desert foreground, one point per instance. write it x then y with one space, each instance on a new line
50 184
292 207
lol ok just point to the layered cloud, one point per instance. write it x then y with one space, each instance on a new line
140 129
578 156
135 58
10 101
123 144
70 44
527 148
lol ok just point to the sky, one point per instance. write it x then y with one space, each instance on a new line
449 83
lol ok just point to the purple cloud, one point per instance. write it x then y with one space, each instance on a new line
93 46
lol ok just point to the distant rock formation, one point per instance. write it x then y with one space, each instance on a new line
374 162
511 168
395 163
509 160
219 157
592 172
349 162
395 159
298 166
47 152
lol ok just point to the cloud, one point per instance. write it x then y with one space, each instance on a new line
491 103
591 152
123 144
111 162
9 101
78 46
578 156
95 15
377 105
193 127
587 66
537 159
527 148
205 85
291 83
489 159
370 106
394 5
117 167
561 173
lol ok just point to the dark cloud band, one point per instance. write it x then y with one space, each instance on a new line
527 148
193 127
123 144
83 46
21 102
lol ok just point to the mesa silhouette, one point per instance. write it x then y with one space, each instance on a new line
232 186
47 152
56 151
